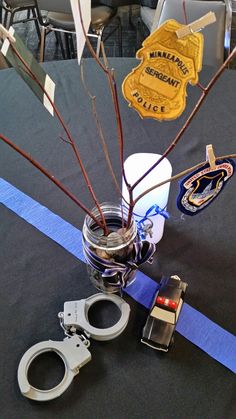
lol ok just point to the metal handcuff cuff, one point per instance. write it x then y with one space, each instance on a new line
74 348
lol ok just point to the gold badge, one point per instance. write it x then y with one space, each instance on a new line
157 87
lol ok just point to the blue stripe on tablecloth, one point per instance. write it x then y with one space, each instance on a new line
194 326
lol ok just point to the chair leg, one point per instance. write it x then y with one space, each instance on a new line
11 19
130 14
99 35
59 40
119 33
42 44
5 19
118 28
57 37
72 48
141 31
67 46
36 23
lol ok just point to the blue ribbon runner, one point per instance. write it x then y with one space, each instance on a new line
194 326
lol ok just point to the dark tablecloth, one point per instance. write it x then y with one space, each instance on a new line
125 379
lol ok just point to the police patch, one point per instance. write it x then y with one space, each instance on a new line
201 187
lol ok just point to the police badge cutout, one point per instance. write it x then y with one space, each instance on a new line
201 187
157 87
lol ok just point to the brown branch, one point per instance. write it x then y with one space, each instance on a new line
100 130
88 43
184 12
113 89
104 54
201 87
65 141
70 139
112 83
193 113
186 124
50 176
179 175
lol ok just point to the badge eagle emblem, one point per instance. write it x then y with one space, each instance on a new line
157 87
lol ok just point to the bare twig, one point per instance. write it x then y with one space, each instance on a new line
186 22
193 113
50 176
201 86
70 139
104 55
184 12
179 175
113 89
64 140
112 84
186 124
100 130
88 43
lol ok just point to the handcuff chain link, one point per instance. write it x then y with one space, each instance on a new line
73 331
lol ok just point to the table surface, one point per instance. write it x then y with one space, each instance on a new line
125 378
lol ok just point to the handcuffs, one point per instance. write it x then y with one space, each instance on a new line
74 348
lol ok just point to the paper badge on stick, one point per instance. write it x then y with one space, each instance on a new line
201 187
85 7
36 69
157 87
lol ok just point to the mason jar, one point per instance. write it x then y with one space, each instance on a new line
109 258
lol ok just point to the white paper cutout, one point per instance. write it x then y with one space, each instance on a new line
49 86
85 6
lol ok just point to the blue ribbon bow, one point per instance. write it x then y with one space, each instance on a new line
156 211
142 252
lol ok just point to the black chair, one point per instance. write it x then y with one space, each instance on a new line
147 12
58 18
12 7
120 3
216 36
